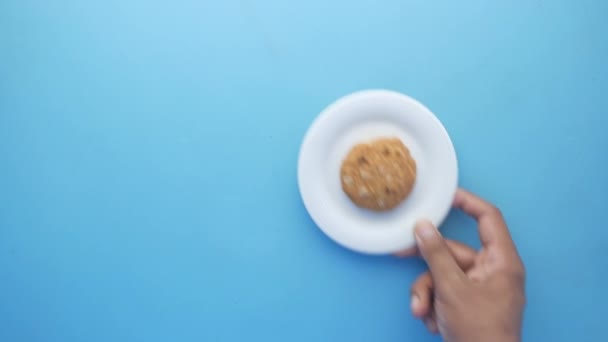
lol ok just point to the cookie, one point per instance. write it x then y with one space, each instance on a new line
378 175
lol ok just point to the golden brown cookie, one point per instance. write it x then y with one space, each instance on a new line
378 175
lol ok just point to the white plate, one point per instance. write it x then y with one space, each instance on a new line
360 117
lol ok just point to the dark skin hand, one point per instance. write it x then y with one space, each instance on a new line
468 295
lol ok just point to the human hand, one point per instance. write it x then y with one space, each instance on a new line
470 296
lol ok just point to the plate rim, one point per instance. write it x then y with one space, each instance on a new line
323 115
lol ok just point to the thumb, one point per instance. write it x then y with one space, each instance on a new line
433 248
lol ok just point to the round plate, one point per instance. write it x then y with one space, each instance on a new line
361 117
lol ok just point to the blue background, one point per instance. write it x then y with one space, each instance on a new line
148 162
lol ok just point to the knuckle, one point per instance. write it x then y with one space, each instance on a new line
518 276
522 269
495 211
519 269
517 273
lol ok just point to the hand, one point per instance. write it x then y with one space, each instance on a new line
470 296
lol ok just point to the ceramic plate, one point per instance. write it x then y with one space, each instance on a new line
361 117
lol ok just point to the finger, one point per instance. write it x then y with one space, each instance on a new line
442 265
422 289
422 295
493 230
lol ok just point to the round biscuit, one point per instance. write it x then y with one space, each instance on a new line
378 175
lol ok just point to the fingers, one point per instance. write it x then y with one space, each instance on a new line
422 289
422 305
422 295
442 265
493 230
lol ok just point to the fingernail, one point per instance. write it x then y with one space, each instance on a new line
425 230
415 302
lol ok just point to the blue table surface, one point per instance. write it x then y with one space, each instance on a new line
148 155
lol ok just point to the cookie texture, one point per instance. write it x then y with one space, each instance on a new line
378 175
